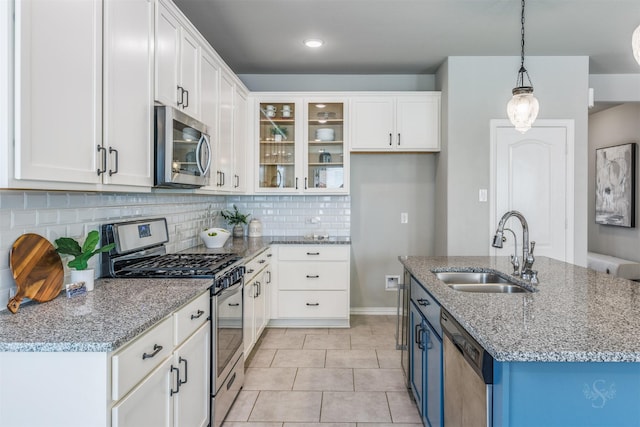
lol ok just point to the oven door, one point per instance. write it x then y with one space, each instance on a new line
226 339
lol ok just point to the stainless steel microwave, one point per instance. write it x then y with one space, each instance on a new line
183 153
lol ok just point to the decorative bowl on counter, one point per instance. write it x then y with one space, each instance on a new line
214 237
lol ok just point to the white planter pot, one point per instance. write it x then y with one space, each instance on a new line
86 276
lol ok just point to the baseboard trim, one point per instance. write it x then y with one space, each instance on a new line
374 311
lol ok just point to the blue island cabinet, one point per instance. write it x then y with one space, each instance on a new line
566 394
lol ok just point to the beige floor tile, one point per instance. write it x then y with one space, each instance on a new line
243 405
384 328
324 379
269 378
383 342
355 407
388 425
333 342
319 424
282 341
274 331
261 358
354 329
403 409
351 359
287 406
379 380
389 358
238 424
307 331
299 359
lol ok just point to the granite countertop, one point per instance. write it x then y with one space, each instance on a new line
115 312
575 315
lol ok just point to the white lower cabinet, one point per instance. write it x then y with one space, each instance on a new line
256 298
176 392
312 286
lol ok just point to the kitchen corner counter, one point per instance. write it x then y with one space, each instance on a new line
575 315
115 312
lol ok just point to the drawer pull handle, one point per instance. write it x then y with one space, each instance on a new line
269 255
234 304
423 302
231 381
315 304
313 253
177 390
312 277
262 261
156 349
251 270
198 314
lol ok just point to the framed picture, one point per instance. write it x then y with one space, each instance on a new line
616 185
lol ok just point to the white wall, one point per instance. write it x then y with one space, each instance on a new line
614 126
477 90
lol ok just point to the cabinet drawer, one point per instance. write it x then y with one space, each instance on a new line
312 304
137 359
429 307
314 275
313 253
191 317
255 265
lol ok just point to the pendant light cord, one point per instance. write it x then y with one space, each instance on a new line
522 34
522 71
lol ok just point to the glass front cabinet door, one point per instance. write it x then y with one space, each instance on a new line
301 146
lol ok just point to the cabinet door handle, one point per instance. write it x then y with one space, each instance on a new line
113 150
269 280
390 141
398 138
237 304
314 304
186 374
222 173
104 160
177 390
313 253
296 182
417 335
180 94
423 302
237 184
198 314
309 276
305 182
156 349
428 339
186 104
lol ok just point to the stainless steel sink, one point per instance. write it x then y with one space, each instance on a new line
484 282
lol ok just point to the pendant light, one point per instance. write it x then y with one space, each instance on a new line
523 108
635 44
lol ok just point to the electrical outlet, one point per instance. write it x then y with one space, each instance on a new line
482 195
391 282
404 218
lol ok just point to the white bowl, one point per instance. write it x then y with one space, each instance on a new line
214 237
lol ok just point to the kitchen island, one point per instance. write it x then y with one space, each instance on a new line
566 354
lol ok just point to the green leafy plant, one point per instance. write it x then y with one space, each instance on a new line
69 246
235 217
279 130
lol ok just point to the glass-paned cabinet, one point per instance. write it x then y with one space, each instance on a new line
277 152
301 145
325 145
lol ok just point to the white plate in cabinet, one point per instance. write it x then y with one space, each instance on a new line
313 253
313 304
331 275
190 317
139 358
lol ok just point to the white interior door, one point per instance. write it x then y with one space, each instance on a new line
533 173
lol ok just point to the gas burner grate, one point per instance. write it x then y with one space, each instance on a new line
180 265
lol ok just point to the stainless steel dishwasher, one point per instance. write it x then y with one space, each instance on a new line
468 377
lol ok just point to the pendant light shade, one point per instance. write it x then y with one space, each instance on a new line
635 44
523 108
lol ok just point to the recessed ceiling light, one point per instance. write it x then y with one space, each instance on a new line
313 42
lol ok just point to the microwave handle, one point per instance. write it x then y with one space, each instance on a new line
203 169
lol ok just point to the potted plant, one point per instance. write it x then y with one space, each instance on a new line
236 219
279 133
81 255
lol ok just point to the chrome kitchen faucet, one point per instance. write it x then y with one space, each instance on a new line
527 252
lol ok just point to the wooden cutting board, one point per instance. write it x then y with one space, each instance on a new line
37 270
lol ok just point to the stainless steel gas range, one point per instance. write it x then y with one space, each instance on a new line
140 252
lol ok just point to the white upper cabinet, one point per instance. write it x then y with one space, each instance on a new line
209 90
177 62
58 91
224 159
128 93
240 141
396 122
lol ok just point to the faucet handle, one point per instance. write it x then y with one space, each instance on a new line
533 246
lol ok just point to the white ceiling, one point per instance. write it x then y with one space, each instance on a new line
410 36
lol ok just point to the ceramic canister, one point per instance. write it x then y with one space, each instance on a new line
255 228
